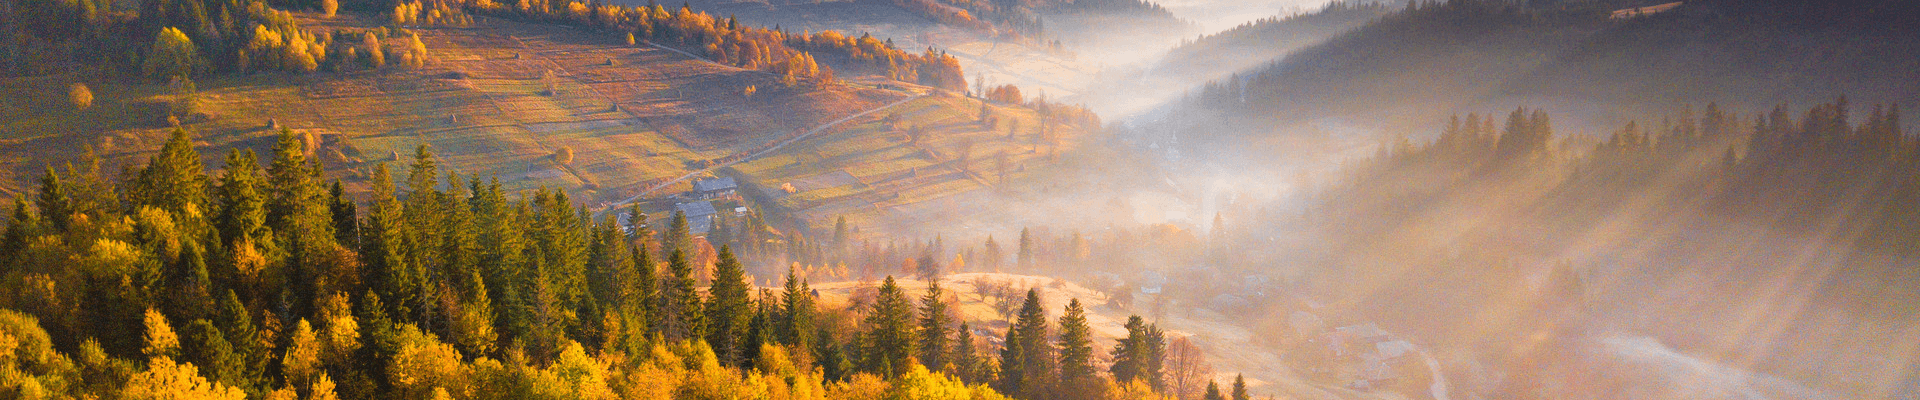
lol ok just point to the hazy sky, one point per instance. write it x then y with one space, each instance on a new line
1215 15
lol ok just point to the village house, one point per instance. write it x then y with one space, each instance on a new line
713 189
699 216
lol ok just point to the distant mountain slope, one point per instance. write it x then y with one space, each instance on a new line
1262 41
1431 60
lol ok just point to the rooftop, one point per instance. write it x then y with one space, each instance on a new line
714 185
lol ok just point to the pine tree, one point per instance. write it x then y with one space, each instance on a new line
1076 344
1156 358
680 305
54 202
207 348
243 212
1025 258
1027 368
386 269
933 328
840 238
173 180
966 360
346 217
729 310
187 285
796 311
1240 388
1130 354
677 237
889 338
20 226
1213 392
643 302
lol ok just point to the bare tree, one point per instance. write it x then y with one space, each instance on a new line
1187 368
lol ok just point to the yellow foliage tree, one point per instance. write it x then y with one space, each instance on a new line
80 95
167 380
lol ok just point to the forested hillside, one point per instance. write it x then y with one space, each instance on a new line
1725 233
261 280
1265 40
1432 59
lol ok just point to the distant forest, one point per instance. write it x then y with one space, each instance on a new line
1687 222
1430 59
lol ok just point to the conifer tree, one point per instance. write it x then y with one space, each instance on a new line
966 360
243 212
796 311
54 202
386 269
1027 368
1213 392
1131 353
1240 388
173 180
645 284
20 226
933 329
729 310
889 339
677 237
346 217
1025 258
1076 344
681 317
206 347
1156 356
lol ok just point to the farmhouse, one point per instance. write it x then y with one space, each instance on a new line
699 216
717 188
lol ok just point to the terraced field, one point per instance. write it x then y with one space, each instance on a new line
873 171
495 99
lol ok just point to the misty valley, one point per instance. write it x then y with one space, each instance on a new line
959 199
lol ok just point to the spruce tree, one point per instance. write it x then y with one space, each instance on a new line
55 203
1240 388
206 347
966 360
243 213
1076 344
384 267
346 216
889 338
643 302
933 328
796 311
1213 392
677 237
729 310
1130 354
681 317
173 180
1027 368
1025 259
20 227
1156 358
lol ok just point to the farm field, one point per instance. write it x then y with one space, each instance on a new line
887 167
494 99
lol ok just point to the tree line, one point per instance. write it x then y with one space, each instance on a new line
263 280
